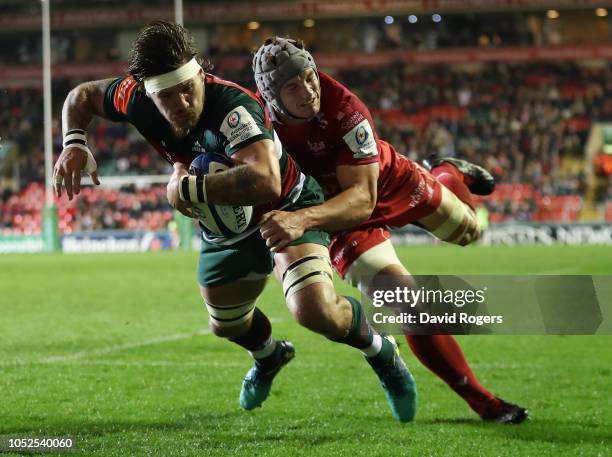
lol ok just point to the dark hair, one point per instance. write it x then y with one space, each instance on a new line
162 47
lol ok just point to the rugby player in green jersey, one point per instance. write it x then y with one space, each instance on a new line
184 111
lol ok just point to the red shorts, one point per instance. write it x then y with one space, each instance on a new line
410 193
346 247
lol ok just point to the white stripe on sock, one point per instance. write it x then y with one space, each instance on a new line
266 350
374 348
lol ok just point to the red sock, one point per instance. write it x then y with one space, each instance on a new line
454 180
442 355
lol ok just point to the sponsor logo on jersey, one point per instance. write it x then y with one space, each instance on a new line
239 126
123 93
321 120
198 148
360 139
416 195
354 119
430 192
316 146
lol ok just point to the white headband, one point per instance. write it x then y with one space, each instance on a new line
154 84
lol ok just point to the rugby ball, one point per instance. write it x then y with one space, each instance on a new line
221 220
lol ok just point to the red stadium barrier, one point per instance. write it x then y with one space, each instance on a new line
340 61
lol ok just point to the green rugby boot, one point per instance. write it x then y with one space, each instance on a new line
258 380
398 383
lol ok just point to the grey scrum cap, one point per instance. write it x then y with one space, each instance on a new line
276 62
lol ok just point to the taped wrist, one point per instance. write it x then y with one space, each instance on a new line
77 138
193 189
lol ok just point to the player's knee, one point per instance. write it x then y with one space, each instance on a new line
321 310
230 321
228 332
311 297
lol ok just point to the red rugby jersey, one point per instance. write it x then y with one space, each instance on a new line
343 133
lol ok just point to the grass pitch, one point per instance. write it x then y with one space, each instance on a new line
113 351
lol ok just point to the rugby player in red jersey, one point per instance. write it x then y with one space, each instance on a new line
369 187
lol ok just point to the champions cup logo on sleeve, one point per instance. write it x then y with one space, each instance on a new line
239 126
234 119
360 139
361 135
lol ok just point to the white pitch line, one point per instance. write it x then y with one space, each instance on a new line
228 364
114 348
168 363
122 347
506 366
156 363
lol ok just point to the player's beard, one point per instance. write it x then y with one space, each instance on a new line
182 129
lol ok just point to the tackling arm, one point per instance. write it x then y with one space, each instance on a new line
351 206
347 209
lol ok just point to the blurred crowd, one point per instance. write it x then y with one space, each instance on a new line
368 34
527 123
127 208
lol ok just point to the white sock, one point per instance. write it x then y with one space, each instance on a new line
266 350
374 348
